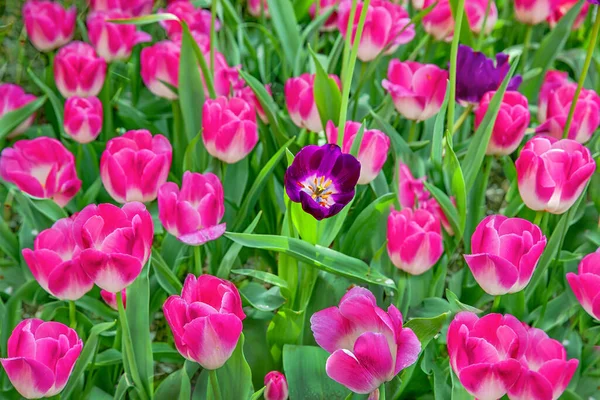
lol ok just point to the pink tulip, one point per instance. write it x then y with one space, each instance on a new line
373 150
113 41
115 242
586 118
511 123
206 320
545 370
41 167
484 352
325 5
13 97
229 130
368 346
553 173
553 80
533 12
160 63
562 7
258 8
586 284
276 387
83 118
111 298
227 79
476 15
418 90
300 101
135 165
439 23
54 262
197 19
135 8
78 71
41 357
505 253
414 240
192 214
49 26
387 26
248 95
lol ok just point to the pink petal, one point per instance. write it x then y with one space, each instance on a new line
31 378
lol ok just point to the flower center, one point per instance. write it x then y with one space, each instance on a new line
320 189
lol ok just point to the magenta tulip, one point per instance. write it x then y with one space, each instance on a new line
41 357
505 253
13 97
586 284
533 12
562 7
276 387
439 22
229 129
78 71
197 19
368 346
135 165
414 240
193 213
258 8
160 63
111 298
49 26
248 95
134 8
300 101
553 80
83 118
553 173
324 6
511 123
418 90
113 41
206 320
115 242
41 167
478 12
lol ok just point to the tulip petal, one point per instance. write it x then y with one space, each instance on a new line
495 275
490 381
31 378
69 281
111 272
531 386
203 235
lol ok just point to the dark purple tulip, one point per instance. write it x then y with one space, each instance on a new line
322 179
477 75
597 2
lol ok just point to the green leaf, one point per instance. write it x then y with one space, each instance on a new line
357 141
185 392
437 144
206 73
284 328
449 210
398 142
57 104
170 388
164 275
327 93
145 20
262 276
261 298
232 253
458 391
317 232
321 257
457 183
8 241
13 119
286 27
427 328
122 388
97 307
47 207
466 35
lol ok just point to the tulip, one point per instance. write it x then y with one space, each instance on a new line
13 97
368 346
476 11
49 26
432 206
586 118
562 7
276 387
229 129
41 167
439 23
418 90
322 179
135 8
373 150
484 352
533 12
258 8
553 173
411 191
300 101
386 27
553 80
192 215
135 165
206 320
505 253
324 6
586 284
197 19
83 118
414 240
226 79
115 242
511 123
78 71
113 41
545 370
160 63
248 95
41 357
111 298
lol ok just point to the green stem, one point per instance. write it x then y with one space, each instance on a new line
178 137
584 71
485 19
453 57
496 304
349 396
105 98
526 46
382 392
72 314
424 41
214 384
197 260
402 281
412 133
463 117
538 218
348 44
213 38
361 81
50 71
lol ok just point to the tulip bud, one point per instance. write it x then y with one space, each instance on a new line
160 63
49 26
229 129
368 346
553 80
135 165
480 11
83 118
41 167
111 298
562 7
13 97
372 152
192 215
324 6
414 240
511 123
198 20
300 101
207 337
113 41
553 173
533 12
276 387
78 71
135 8
258 8
586 284
418 90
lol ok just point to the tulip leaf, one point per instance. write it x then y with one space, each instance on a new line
97 307
262 276
457 306
145 19
326 93
122 388
46 207
458 391
466 35
170 387
261 298
398 143
457 184
320 257
232 253
437 144
12 119
357 141
316 23
164 275
427 328
286 27
449 210
57 104
8 241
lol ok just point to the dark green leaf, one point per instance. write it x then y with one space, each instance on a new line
427 328
164 275
231 255
284 23
327 94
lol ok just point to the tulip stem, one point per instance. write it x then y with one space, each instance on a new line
496 304
213 39
214 384
526 46
72 314
482 32
453 61
463 117
412 133
538 218
197 260
584 71
105 98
